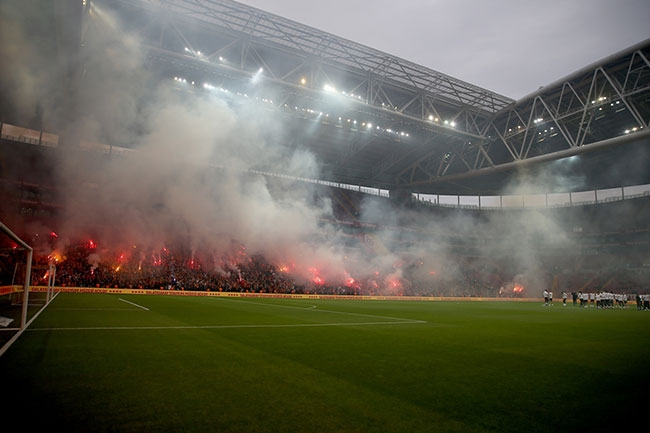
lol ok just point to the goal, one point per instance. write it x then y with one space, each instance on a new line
41 284
19 294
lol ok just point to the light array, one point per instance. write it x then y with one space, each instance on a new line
634 129
328 88
601 112
325 117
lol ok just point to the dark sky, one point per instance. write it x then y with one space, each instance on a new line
511 47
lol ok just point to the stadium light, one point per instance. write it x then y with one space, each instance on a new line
256 76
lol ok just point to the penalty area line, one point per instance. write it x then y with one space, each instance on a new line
320 310
262 304
133 303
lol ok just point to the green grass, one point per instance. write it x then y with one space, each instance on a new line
93 362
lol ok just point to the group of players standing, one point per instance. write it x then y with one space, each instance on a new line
603 299
548 297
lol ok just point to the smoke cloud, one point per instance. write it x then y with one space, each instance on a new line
186 182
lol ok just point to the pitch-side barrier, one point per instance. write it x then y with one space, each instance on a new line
208 293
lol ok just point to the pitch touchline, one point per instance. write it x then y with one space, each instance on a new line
297 325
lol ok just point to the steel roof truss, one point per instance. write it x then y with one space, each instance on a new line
398 155
628 103
282 32
644 59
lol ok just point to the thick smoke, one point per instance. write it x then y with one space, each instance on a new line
186 183
451 252
27 69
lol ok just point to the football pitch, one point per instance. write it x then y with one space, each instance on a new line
136 363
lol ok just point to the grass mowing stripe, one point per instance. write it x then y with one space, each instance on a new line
293 325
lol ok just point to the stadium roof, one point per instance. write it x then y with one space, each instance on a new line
377 120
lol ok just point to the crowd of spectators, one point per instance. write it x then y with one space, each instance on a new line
80 266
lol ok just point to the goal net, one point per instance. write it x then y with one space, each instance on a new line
41 285
15 280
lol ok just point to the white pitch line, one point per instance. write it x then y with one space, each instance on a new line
133 303
296 325
91 309
309 307
403 319
320 310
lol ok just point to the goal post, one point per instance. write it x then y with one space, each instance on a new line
28 269
51 277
